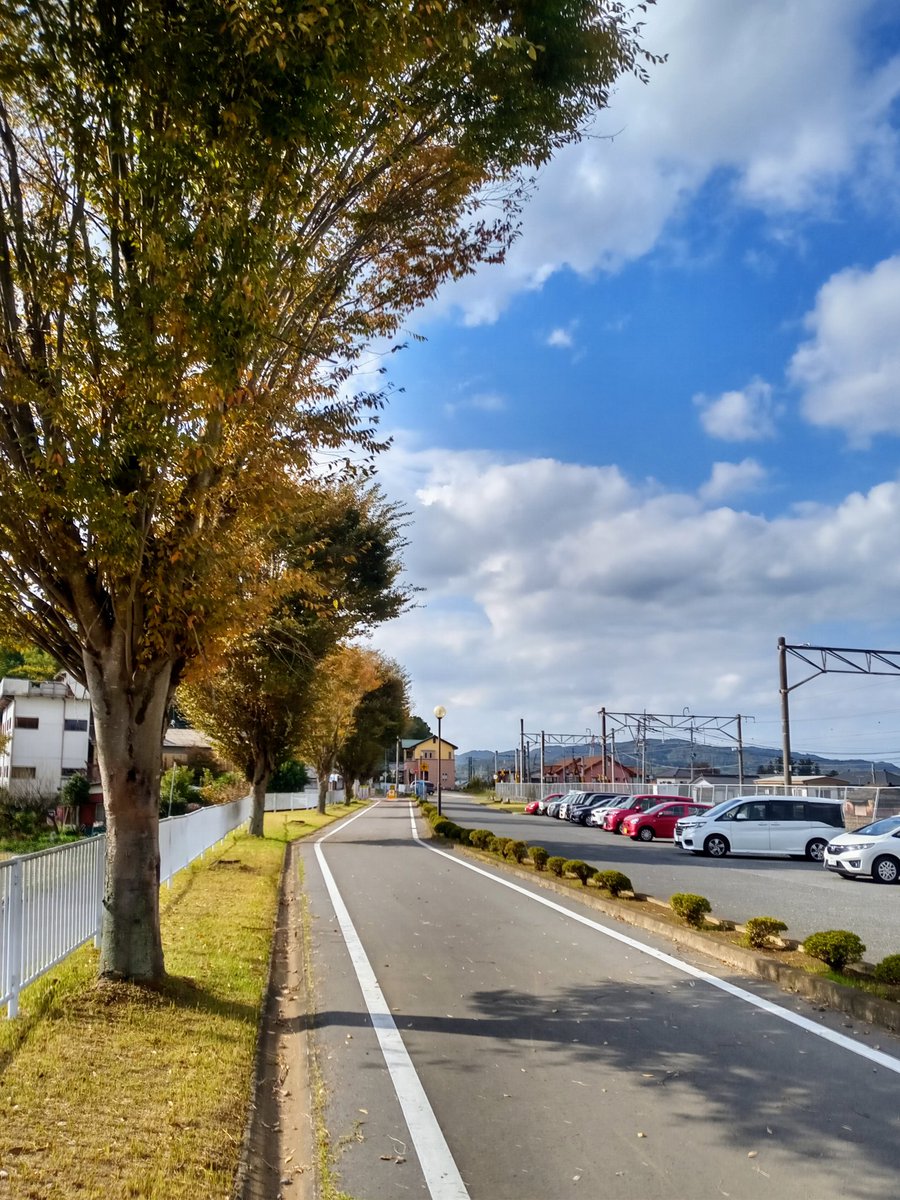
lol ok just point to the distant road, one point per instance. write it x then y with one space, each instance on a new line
537 1051
804 895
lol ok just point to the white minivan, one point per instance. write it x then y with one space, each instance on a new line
790 825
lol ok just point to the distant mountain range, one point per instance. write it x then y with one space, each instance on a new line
665 754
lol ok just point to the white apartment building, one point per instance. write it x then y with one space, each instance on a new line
46 726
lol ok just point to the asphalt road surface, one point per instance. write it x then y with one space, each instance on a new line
802 894
482 1038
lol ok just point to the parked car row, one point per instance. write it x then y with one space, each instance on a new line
792 826
642 817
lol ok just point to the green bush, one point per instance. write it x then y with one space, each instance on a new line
836 947
759 931
691 908
480 838
613 882
556 864
888 970
539 856
447 829
581 870
498 845
517 850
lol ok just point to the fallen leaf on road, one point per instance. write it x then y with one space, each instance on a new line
752 1154
642 1135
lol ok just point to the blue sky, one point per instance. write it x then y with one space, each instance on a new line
666 431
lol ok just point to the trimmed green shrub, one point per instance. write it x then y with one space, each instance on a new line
691 908
518 851
759 931
480 838
613 882
581 870
539 856
499 844
836 947
888 970
556 864
447 829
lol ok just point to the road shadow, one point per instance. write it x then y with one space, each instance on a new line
714 1062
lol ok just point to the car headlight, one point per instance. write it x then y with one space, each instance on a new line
846 847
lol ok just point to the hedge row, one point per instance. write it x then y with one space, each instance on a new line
834 947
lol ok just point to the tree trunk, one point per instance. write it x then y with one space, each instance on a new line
323 792
129 714
262 773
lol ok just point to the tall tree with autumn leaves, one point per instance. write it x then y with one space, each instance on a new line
207 208
337 572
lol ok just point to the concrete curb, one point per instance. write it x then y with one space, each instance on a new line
856 1003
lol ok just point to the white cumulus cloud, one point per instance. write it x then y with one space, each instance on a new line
739 416
560 338
729 479
849 369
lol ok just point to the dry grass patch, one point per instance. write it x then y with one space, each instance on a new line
110 1091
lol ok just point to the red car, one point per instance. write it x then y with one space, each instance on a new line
659 821
538 806
636 804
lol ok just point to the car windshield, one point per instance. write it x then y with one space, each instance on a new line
885 825
718 809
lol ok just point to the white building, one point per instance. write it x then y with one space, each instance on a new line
46 725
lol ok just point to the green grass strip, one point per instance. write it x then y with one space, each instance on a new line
115 1091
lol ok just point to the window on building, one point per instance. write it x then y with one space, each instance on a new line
74 725
27 722
23 773
68 772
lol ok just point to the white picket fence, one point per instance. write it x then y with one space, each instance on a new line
50 902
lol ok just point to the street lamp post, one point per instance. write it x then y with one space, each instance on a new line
440 712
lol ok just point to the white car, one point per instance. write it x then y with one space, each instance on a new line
873 850
789 825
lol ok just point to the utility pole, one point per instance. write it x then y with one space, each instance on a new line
603 741
785 711
740 752
521 750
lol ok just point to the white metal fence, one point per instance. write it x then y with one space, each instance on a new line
292 801
50 902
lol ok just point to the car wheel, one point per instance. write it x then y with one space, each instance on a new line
716 846
885 869
815 850
645 833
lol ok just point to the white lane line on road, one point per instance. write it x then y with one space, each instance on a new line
829 1035
442 1176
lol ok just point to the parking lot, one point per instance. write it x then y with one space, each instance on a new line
804 895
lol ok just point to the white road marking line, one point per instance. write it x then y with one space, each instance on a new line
829 1035
442 1176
